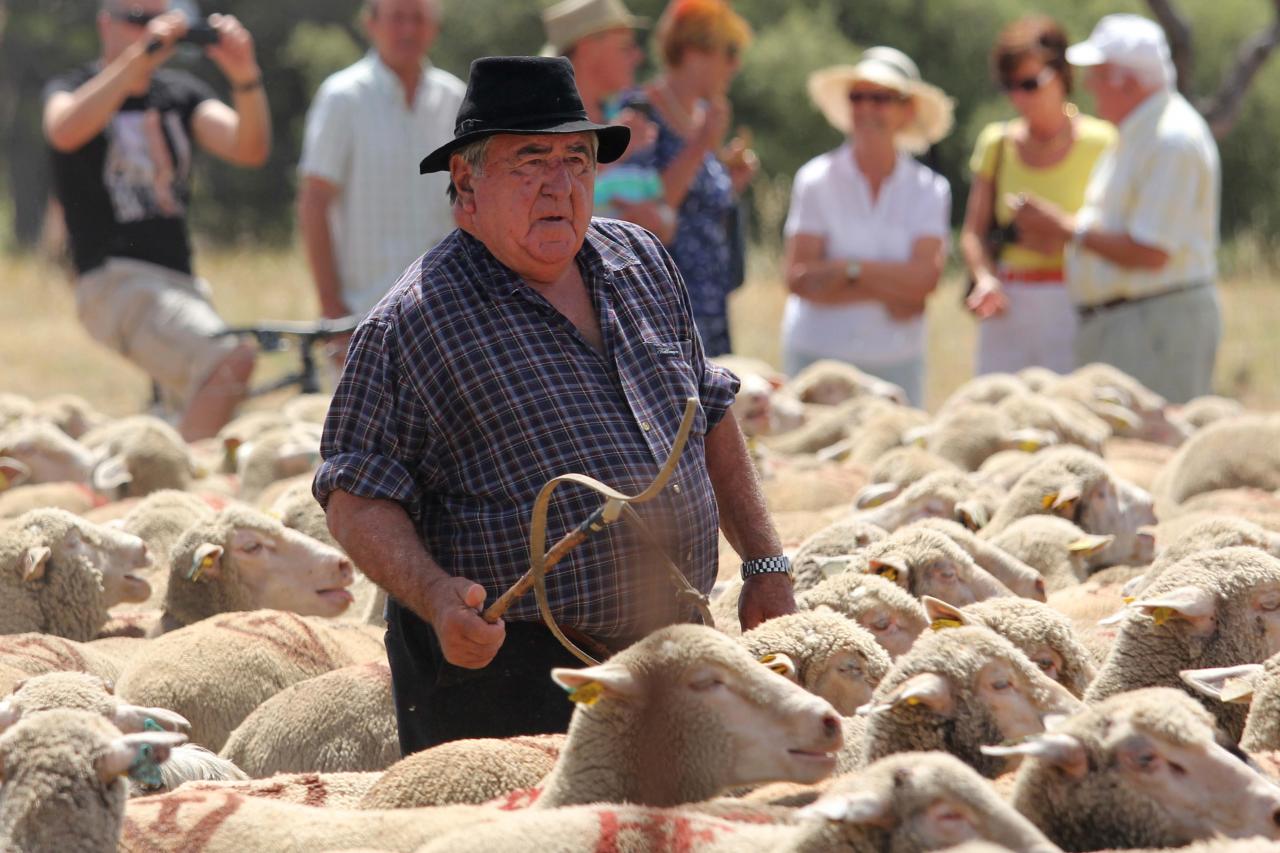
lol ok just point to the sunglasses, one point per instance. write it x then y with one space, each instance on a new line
135 17
880 99
1031 84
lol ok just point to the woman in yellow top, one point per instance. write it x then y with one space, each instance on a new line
1049 151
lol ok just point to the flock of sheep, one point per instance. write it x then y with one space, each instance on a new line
1045 617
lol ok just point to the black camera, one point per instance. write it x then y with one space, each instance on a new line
201 33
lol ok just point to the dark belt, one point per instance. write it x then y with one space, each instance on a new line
1086 312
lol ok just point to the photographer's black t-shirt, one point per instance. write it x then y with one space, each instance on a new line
125 192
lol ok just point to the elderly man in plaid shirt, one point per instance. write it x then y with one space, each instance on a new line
531 342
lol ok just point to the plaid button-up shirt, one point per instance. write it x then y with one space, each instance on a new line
465 391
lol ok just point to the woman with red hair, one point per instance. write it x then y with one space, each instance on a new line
701 44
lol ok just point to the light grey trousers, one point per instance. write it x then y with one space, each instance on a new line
1168 343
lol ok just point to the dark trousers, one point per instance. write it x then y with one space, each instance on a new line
438 702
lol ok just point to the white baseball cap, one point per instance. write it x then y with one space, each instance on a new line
1129 41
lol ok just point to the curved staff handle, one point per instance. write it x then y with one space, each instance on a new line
541 561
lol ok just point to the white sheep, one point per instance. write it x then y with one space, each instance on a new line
59 573
1140 769
62 780
342 721
216 672
883 608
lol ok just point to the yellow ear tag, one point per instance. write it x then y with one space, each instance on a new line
198 567
941 624
1129 599
4 481
913 700
1047 500
587 694
889 574
1162 614
1028 446
778 667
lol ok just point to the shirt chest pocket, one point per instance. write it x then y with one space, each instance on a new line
674 381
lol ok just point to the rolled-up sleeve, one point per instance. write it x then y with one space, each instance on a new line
379 440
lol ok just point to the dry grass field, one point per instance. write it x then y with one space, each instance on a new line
44 350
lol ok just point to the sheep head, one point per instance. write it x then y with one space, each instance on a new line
958 690
684 710
1142 769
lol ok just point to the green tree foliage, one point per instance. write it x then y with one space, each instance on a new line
300 42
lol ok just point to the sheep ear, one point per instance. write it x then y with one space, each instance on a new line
34 562
928 688
1189 604
590 685
1117 416
919 436
8 715
829 567
134 718
1091 544
1064 751
972 514
1030 440
12 473
863 807
230 450
942 615
1063 501
875 494
781 664
205 563
1224 683
110 474
136 754
891 567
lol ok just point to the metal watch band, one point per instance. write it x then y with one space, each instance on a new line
766 566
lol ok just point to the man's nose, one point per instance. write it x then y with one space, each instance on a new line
557 181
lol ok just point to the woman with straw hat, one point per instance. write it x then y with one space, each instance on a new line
868 226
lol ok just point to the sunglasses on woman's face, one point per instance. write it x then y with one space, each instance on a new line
880 99
1031 84
135 17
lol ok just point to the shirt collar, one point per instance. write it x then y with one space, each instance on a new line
600 253
846 160
387 78
1145 112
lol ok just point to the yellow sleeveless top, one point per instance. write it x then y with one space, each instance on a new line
1062 183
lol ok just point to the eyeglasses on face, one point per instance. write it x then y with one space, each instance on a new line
1031 84
880 99
135 17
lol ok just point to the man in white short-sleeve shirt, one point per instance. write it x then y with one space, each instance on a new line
1140 254
364 212
829 196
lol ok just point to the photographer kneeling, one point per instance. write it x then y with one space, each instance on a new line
121 130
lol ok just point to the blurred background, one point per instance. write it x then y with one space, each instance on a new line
244 220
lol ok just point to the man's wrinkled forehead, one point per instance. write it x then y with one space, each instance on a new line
543 144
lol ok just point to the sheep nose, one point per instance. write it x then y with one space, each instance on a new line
831 725
345 569
1275 817
1040 591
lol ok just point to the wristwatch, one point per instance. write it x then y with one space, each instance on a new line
853 269
1078 233
779 565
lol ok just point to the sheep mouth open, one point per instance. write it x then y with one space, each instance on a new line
337 596
813 756
136 589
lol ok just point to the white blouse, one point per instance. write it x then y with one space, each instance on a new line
831 199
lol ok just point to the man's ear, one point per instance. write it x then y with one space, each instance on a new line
461 173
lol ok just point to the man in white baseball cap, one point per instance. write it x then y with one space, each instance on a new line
1140 256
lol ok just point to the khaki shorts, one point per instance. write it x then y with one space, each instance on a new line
158 318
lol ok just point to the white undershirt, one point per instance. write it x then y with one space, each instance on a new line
832 199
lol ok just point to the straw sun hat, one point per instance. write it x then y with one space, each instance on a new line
884 66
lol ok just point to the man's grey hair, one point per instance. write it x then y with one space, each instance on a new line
1147 76
473 154
435 7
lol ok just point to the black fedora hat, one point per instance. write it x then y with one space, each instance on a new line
525 95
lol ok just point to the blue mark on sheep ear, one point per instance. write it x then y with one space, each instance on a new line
587 694
145 769
150 725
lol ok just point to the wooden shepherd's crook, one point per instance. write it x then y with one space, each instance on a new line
540 561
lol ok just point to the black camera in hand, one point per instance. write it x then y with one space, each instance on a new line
201 33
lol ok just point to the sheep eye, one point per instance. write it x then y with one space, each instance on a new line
1146 760
1269 605
1045 663
881 624
1002 684
851 667
252 548
706 683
